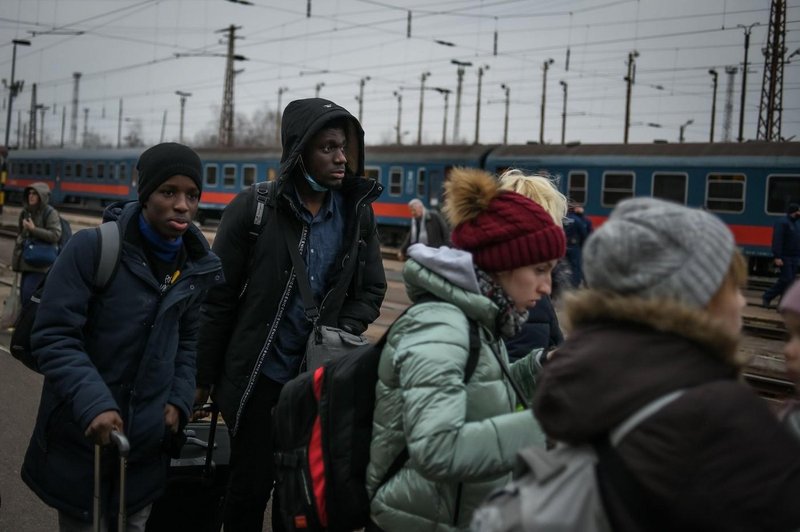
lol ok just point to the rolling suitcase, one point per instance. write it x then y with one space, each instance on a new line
124 448
194 497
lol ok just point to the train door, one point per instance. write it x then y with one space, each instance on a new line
435 188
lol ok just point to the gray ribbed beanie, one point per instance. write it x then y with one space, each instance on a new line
657 249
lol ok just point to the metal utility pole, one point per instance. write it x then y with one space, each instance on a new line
279 116
505 121
163 125
73 127
32 130
317 88
683 128
361 83
546 67
747 30
771 106
183 96
726 123
714 76
226 116
14 87
85 124
42 108
399 97
423 77
446 93
481 70
119 125
64 124
457 120
630 79
564 111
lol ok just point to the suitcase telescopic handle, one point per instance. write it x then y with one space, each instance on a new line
124 448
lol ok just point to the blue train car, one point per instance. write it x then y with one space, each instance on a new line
749 186
408 172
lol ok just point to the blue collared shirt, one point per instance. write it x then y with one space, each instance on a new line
323 243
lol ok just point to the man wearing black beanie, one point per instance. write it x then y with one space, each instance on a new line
121 358
254 328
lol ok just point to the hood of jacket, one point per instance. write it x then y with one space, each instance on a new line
44 194
302 119
448 274
623 352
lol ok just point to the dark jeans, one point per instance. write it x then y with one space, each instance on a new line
28 285
785 279
252 463
574 259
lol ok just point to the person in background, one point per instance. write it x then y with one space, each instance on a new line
786 253
541 329
40 221
577 229
254 328
461 438
790 310
427 227
663 313
122 359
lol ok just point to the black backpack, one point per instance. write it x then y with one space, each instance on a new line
109 241
322 426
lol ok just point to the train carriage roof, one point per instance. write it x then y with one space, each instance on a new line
720 149
426 153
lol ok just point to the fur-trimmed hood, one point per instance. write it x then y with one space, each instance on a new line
622 352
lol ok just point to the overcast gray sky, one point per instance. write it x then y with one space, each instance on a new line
126 49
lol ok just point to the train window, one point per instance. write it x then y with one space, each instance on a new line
101 170
781 191
670 187
38 169
211 175
30 168
617 186
248 175
14 169
576 187
78 170
47 169
422 183
89 169
229 175
395 181
725 192
373 172
67 169
123 171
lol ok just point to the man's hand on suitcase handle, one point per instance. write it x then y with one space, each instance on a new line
172 418
101 426
201 395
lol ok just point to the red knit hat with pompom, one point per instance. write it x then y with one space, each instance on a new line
503 230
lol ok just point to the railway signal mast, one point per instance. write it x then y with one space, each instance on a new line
726 122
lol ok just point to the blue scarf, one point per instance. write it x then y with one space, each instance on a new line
165 250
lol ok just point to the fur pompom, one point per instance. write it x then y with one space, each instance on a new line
468 193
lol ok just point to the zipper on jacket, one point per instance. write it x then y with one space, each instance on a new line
270 336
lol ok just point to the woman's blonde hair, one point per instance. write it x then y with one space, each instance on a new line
538 188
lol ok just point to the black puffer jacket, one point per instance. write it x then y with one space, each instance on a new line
240 319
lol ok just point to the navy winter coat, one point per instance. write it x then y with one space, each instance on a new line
128 349
786 238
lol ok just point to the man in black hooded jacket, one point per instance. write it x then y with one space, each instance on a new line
253 328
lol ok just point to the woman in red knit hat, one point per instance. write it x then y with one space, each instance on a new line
455 415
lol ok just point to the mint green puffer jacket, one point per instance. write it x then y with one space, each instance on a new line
461 438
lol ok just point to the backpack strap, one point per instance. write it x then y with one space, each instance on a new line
263 191
109 241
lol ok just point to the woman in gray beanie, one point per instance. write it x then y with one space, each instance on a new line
662 313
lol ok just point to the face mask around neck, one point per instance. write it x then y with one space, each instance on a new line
316 187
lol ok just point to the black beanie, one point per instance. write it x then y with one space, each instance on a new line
162 161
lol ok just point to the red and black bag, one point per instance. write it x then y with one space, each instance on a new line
323 430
